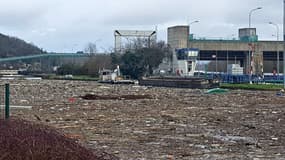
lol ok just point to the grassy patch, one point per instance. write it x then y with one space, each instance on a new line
74 77
85 78
253 86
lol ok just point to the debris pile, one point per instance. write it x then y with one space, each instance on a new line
115 97
23 140
160 123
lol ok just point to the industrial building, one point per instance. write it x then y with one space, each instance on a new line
254 56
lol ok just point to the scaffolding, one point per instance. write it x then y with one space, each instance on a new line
150 36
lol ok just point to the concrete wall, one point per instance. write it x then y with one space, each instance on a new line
236 45
270 45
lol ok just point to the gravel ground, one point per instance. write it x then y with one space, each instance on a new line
139 122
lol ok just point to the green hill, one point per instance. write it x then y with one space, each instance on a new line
12 47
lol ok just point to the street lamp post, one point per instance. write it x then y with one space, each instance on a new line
216 61
191 24
255 9
277 29
284 43
277 35
188 41
231 38
249 50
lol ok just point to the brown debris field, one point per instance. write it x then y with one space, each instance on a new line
155 123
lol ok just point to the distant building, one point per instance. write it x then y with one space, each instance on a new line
178 37
248 34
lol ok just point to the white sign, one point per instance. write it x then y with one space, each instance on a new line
193 53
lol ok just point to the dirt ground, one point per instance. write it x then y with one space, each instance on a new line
136 122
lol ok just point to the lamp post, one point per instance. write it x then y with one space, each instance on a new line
284 43
191 24
249 50
277 35
277 29
216 61
188 41
231 37
250 12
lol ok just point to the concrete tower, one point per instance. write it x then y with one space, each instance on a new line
178 37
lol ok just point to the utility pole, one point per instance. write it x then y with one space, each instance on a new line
250 53
188 41
216 61
277 35
284 43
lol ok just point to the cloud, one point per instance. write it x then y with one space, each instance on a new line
44 31
20 14
53 24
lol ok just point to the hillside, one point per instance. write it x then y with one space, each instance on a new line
12 46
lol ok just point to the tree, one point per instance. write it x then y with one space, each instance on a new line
115 59
91 67
142 61
132 65
151 58
12 47
70 69
95 63
91 48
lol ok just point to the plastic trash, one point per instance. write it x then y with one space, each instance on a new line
217 91
279 94
71 100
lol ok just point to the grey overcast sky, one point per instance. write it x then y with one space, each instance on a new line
68 25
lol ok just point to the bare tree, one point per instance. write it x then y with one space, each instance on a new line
97 62
91 48
138 43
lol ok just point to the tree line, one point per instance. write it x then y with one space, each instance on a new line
134 62
12 47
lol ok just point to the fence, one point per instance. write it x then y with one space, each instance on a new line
11 99
26 95
6 99
229 78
